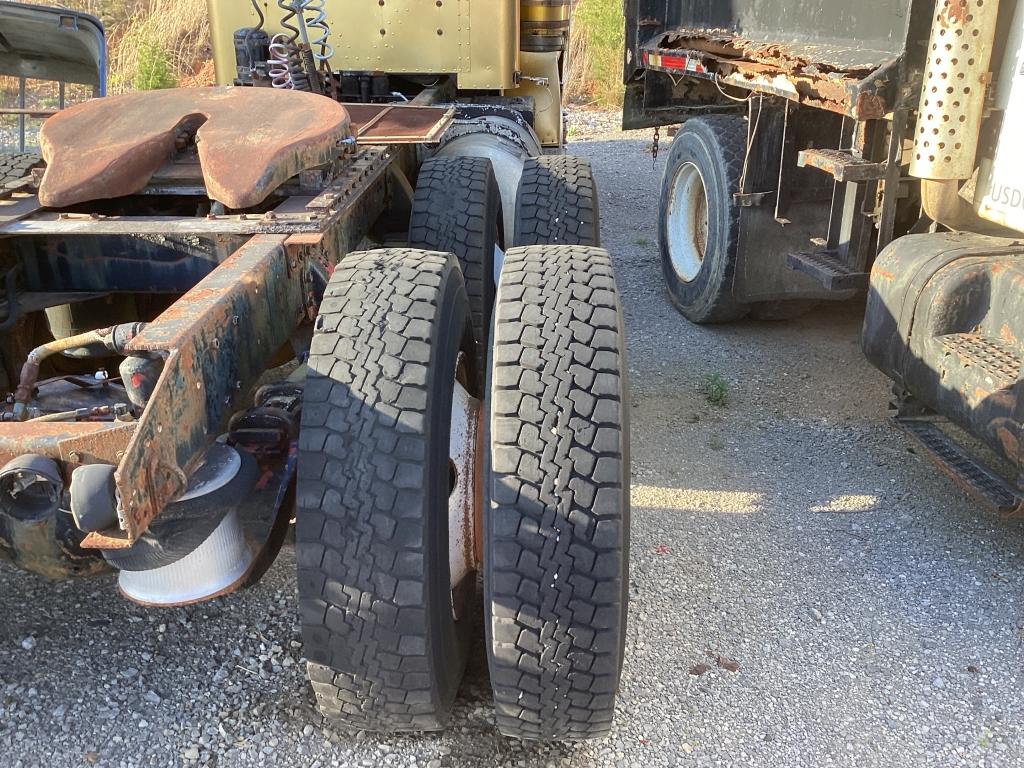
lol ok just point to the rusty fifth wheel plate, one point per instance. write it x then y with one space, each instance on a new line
250 141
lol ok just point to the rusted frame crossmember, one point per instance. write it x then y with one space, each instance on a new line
73 443
865 98
217 341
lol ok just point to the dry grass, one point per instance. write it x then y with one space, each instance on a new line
596 46
160 45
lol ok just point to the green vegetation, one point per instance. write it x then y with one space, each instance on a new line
153 68
595 53
715 389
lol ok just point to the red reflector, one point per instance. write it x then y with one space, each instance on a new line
673 62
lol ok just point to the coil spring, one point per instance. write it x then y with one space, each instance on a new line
289 14
278 69
308 19
298 71
313 16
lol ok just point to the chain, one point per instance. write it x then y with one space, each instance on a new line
654 146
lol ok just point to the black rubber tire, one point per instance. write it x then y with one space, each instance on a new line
716 145
385 653
556 532
183 526
14 167
557 203
457 209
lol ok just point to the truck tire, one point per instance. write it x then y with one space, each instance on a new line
385 650
14 167
557 203
556 534
457 209
698 222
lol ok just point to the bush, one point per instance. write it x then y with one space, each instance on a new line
153 67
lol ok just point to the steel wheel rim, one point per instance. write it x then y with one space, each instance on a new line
463 490
687 222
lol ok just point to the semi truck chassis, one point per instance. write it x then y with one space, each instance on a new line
197 353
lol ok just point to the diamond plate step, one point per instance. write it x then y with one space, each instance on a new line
841 164
966 471
828 270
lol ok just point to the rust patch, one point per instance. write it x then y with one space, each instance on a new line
250 141
954 12
70 443
811 74
728 46
869 106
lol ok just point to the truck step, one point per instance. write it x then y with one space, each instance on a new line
828 270
966 471
995 357
841 164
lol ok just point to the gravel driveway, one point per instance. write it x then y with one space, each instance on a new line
807 590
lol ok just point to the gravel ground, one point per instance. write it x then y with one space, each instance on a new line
807 590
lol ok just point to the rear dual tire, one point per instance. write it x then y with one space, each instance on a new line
556 533
557 203
385 650
457 209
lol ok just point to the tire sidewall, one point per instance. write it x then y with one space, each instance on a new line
697 145
494 236
448 638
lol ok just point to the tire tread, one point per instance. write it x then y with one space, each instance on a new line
360 527
18 165
455 202
557 202
557 527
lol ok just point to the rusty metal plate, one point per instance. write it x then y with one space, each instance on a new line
399 123
217 338
74 443
250 141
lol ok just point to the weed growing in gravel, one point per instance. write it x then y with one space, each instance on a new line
716 443
643 242
715 389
